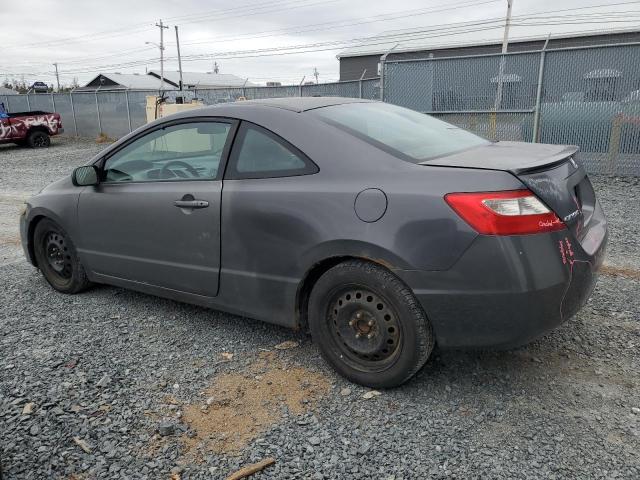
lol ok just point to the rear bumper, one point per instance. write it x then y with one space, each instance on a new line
507 291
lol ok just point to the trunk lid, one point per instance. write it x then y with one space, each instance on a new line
549 171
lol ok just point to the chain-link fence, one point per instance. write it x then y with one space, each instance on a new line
118 112
587 96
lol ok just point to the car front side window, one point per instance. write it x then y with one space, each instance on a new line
186 151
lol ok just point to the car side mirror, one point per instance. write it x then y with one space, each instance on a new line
85 176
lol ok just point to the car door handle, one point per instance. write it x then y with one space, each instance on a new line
191 203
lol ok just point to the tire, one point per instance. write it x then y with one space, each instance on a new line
38 139
368 325
57 259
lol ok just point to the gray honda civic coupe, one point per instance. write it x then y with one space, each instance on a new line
381 230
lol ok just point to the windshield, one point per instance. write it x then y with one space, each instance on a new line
406 133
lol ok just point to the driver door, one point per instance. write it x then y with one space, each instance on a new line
154 219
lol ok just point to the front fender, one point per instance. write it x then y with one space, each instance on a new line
58 202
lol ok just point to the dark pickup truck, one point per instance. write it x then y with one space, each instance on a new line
32 129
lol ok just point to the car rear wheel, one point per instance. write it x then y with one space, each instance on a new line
368 325
57 258
38 139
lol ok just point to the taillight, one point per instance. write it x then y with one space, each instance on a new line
511 212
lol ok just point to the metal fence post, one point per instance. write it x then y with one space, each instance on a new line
300 86
381 83
383 60
614 143
73 113
98 110
360 82
536 113
28 102
126 98
53 102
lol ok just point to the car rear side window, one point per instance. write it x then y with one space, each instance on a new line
259 153
408 134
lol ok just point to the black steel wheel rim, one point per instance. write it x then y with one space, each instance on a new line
40 141
57 255
365 328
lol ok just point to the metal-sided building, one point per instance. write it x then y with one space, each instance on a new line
366 59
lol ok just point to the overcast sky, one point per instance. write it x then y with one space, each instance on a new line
88 37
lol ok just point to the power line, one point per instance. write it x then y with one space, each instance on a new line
533 20
585 7
88 37
549 23
389 37
246 36
255 9
183 18
298 49
288 50
331 25
432 9
76 60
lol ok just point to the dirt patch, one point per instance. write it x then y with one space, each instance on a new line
104 138
9 240
238 407
620 272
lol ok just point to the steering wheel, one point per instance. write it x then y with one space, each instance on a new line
178 163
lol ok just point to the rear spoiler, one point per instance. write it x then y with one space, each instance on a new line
550 162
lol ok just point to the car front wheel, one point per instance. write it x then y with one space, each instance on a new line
368 325
57 258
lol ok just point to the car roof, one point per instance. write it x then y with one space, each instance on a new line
294 104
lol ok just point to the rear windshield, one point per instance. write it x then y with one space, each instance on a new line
405 133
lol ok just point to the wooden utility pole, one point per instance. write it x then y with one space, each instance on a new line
57 76
162 27
505 45
179 59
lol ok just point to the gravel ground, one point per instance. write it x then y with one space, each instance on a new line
24 172
117 384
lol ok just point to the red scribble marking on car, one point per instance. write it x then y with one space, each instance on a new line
569 282
569 249
561 247
566 251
